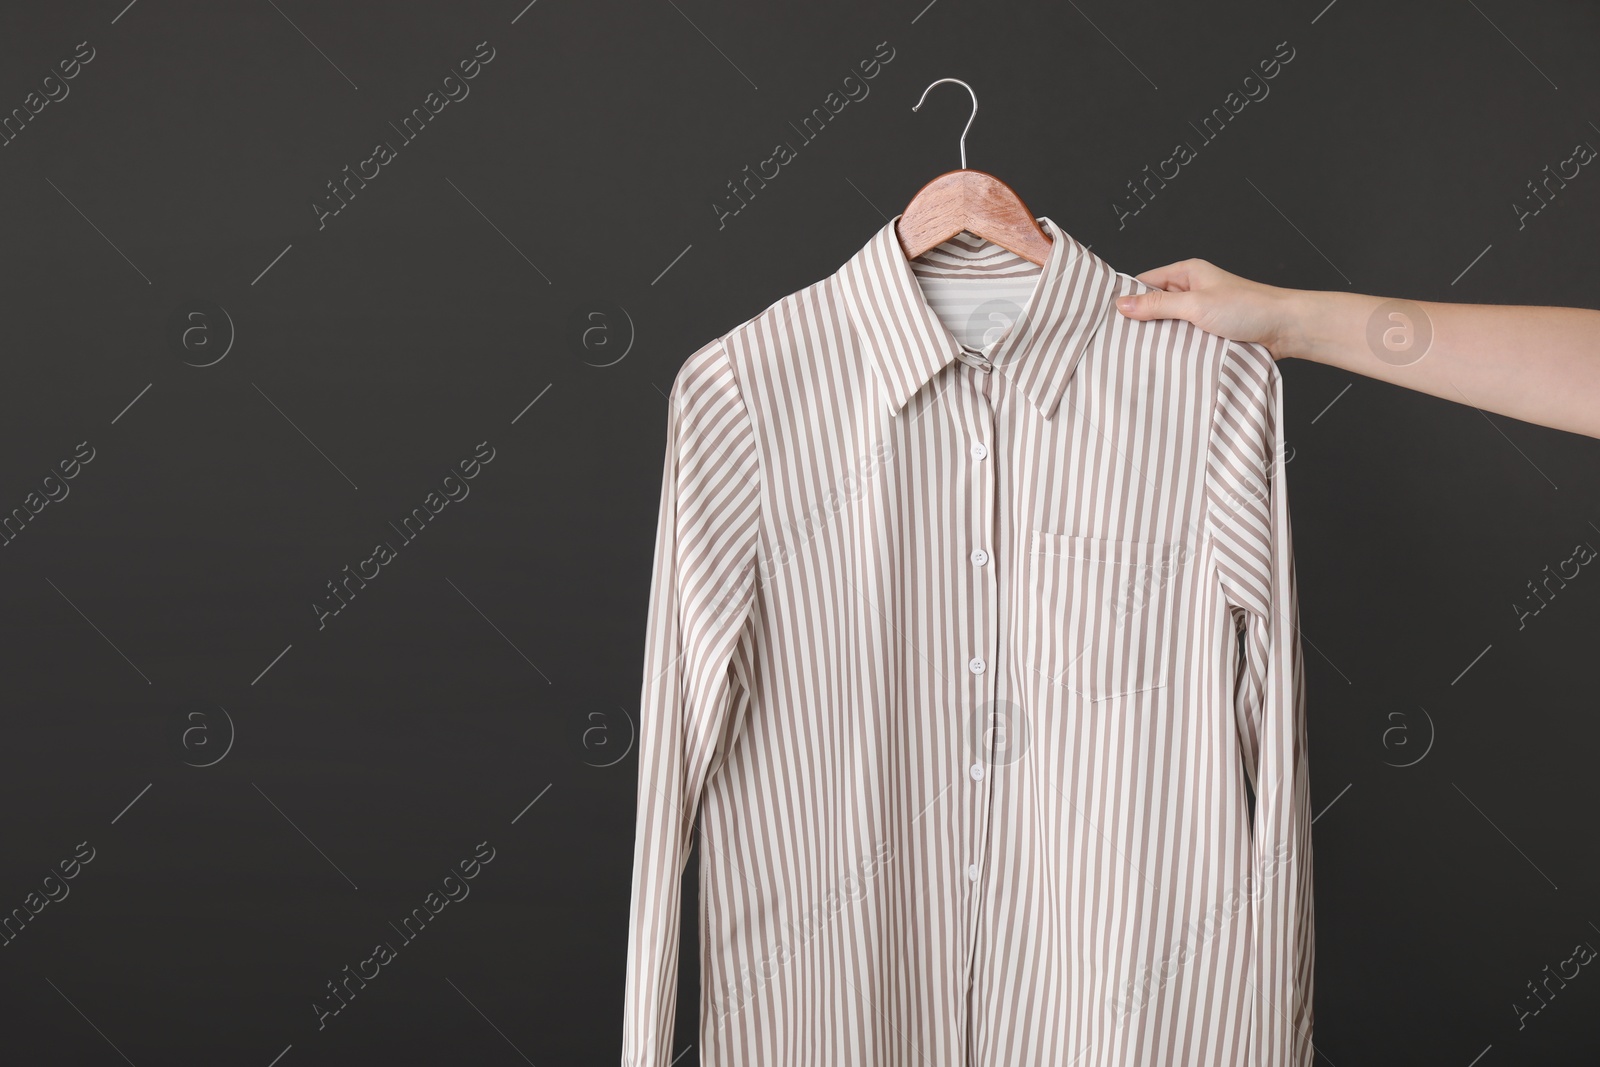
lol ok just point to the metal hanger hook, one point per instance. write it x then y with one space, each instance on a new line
918 106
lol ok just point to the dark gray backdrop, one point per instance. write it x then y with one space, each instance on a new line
248 795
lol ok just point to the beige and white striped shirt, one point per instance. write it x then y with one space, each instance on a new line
972 635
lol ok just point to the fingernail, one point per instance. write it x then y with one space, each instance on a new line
1125 303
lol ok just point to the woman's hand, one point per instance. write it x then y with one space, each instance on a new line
1216 301
1537 364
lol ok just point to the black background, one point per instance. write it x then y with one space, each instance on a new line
163 609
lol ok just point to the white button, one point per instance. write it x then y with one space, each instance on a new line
978 451
972 872
976 665
977 772
979 557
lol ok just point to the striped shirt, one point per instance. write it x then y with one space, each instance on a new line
972 643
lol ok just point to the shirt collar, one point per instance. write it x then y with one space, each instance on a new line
908 344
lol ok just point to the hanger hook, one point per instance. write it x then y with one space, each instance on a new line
968 88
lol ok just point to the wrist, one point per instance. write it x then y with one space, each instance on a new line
1291 323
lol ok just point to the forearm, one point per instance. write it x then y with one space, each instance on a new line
1538 364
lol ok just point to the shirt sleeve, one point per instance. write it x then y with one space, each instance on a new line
1248 518
697 647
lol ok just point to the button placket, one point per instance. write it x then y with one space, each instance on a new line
983 579
971 411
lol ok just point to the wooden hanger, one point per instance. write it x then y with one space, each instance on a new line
970 200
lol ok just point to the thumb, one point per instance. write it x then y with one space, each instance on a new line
1158 304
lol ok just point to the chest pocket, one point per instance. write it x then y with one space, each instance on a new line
1101 616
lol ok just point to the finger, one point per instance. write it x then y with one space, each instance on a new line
1171 276
1159 304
